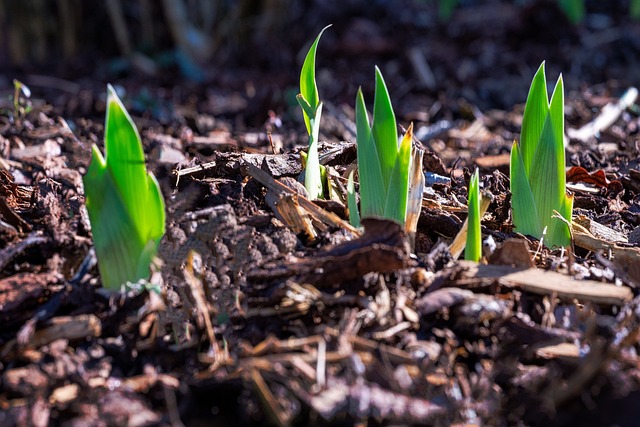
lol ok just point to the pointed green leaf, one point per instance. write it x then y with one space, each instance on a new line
544 176
312 177
354 216
373 193
398 192
556 114
125 158
308 88
384 129
473 248
535 113
125 205
523 206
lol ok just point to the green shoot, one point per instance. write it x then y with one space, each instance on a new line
309 101
354 216
538 180
20 109
125 205
473 249
383 164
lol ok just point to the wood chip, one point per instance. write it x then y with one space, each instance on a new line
565 351
543 282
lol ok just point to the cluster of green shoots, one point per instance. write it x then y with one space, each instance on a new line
383 160
125 205
126 208
539 201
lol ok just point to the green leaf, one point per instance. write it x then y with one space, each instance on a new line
313 177
124 202
354 216
384 129
523 205
306 108
558 233
556 114
544 178
373 193
398 192
535 113
308 87
473 248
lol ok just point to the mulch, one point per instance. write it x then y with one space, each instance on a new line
254 318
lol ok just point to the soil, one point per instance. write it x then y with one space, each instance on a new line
250 318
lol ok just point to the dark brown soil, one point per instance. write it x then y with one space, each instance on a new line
250 321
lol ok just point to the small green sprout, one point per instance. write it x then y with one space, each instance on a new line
538 180
383 164
309 100
125 205
21 107
473 249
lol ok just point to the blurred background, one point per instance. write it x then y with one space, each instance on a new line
241 59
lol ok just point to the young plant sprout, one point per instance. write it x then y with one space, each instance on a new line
383 163
473 249
309 100
538 180
125 205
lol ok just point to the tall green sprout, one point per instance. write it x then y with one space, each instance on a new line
125 205
473 249
309 100
538 180
383 163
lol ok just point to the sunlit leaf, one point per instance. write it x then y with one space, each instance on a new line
398 192
383 129
525 214
124 202
372 190
473 248
308 87
535 113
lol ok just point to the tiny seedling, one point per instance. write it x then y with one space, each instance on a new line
473 249
309 100
537 168
20 107
383 163
125 205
